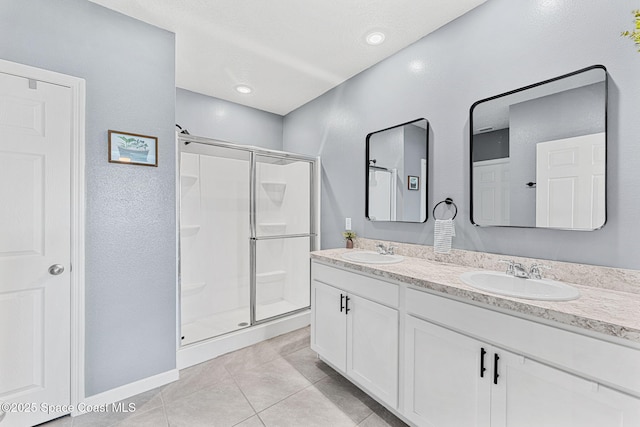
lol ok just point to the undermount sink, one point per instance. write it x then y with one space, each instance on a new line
370 257
535 289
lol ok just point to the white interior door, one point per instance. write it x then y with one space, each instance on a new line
35 133
491 183
380 195
570 175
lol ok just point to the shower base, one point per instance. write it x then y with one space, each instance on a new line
232 320
214 325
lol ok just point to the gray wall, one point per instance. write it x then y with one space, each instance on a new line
227 121
130 212
500 46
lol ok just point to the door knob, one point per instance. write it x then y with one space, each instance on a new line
56 269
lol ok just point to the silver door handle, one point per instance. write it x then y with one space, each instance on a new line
56 269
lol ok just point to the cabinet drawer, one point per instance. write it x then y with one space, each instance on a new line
604 362
373 289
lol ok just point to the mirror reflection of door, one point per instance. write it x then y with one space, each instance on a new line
382 186
491 193
570 182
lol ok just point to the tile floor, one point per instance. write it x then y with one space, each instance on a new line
279 382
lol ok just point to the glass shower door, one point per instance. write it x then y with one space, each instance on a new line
214 241
282 230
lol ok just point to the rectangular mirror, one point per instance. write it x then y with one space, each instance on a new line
396 179
538 154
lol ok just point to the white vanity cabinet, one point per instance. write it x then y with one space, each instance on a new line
329 324
454 377
443 387
355 328
531 394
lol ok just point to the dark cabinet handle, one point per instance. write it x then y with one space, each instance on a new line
347 309
341 302
495 368
482 368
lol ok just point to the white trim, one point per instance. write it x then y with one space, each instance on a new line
78 90
205 350
318 189
500 161
178 286
423 191
78 243
128 390
393 196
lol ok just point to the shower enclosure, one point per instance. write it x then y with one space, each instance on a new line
247 224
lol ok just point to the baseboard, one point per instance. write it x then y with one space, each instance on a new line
206 350
93 403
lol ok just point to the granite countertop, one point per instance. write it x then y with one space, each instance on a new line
610 312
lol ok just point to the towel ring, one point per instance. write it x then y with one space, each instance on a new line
448 201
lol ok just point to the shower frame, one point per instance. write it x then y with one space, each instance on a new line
314 223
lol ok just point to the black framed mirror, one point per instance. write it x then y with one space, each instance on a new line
396 173
538 154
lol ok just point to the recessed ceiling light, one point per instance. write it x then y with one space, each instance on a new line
244 89
375 38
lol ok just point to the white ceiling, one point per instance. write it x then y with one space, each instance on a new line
288 51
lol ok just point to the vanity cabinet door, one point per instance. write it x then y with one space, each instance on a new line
329 324
372 348
444 386
530 394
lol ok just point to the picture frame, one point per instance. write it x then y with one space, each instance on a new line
413 182
133 149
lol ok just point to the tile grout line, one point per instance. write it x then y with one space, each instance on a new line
311 384
275 403
164 408
285 398
277 356
242 392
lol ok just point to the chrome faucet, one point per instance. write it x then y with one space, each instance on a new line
516 269
534 270
520 271
384 250
510 266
